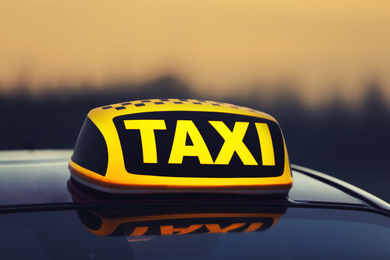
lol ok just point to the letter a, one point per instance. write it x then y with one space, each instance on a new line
180 149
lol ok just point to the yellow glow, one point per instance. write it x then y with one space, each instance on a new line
215 45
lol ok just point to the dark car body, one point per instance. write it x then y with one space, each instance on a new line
45 214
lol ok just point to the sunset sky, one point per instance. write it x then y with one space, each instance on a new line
323 48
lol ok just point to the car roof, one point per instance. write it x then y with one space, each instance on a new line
48 214
41 179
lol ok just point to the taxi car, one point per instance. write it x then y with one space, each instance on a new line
181 179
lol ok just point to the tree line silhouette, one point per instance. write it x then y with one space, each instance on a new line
349 143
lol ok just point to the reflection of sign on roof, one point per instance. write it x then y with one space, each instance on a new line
178 224
174 214
180 145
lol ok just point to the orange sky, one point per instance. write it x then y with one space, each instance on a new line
215 45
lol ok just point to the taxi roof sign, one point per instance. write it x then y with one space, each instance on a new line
182 145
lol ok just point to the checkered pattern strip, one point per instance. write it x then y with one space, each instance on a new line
147 102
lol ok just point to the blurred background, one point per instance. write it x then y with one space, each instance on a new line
321 68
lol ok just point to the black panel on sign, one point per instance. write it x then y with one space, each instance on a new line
90 151
133 154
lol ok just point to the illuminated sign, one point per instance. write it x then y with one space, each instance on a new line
180 145
193 144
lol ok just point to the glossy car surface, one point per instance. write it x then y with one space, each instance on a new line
44 214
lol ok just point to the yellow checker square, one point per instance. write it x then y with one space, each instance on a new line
181 145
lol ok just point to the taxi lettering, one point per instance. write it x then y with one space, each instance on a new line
233 142
211 228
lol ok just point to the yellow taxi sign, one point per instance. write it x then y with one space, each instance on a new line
180 145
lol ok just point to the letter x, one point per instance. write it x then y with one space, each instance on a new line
233 143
